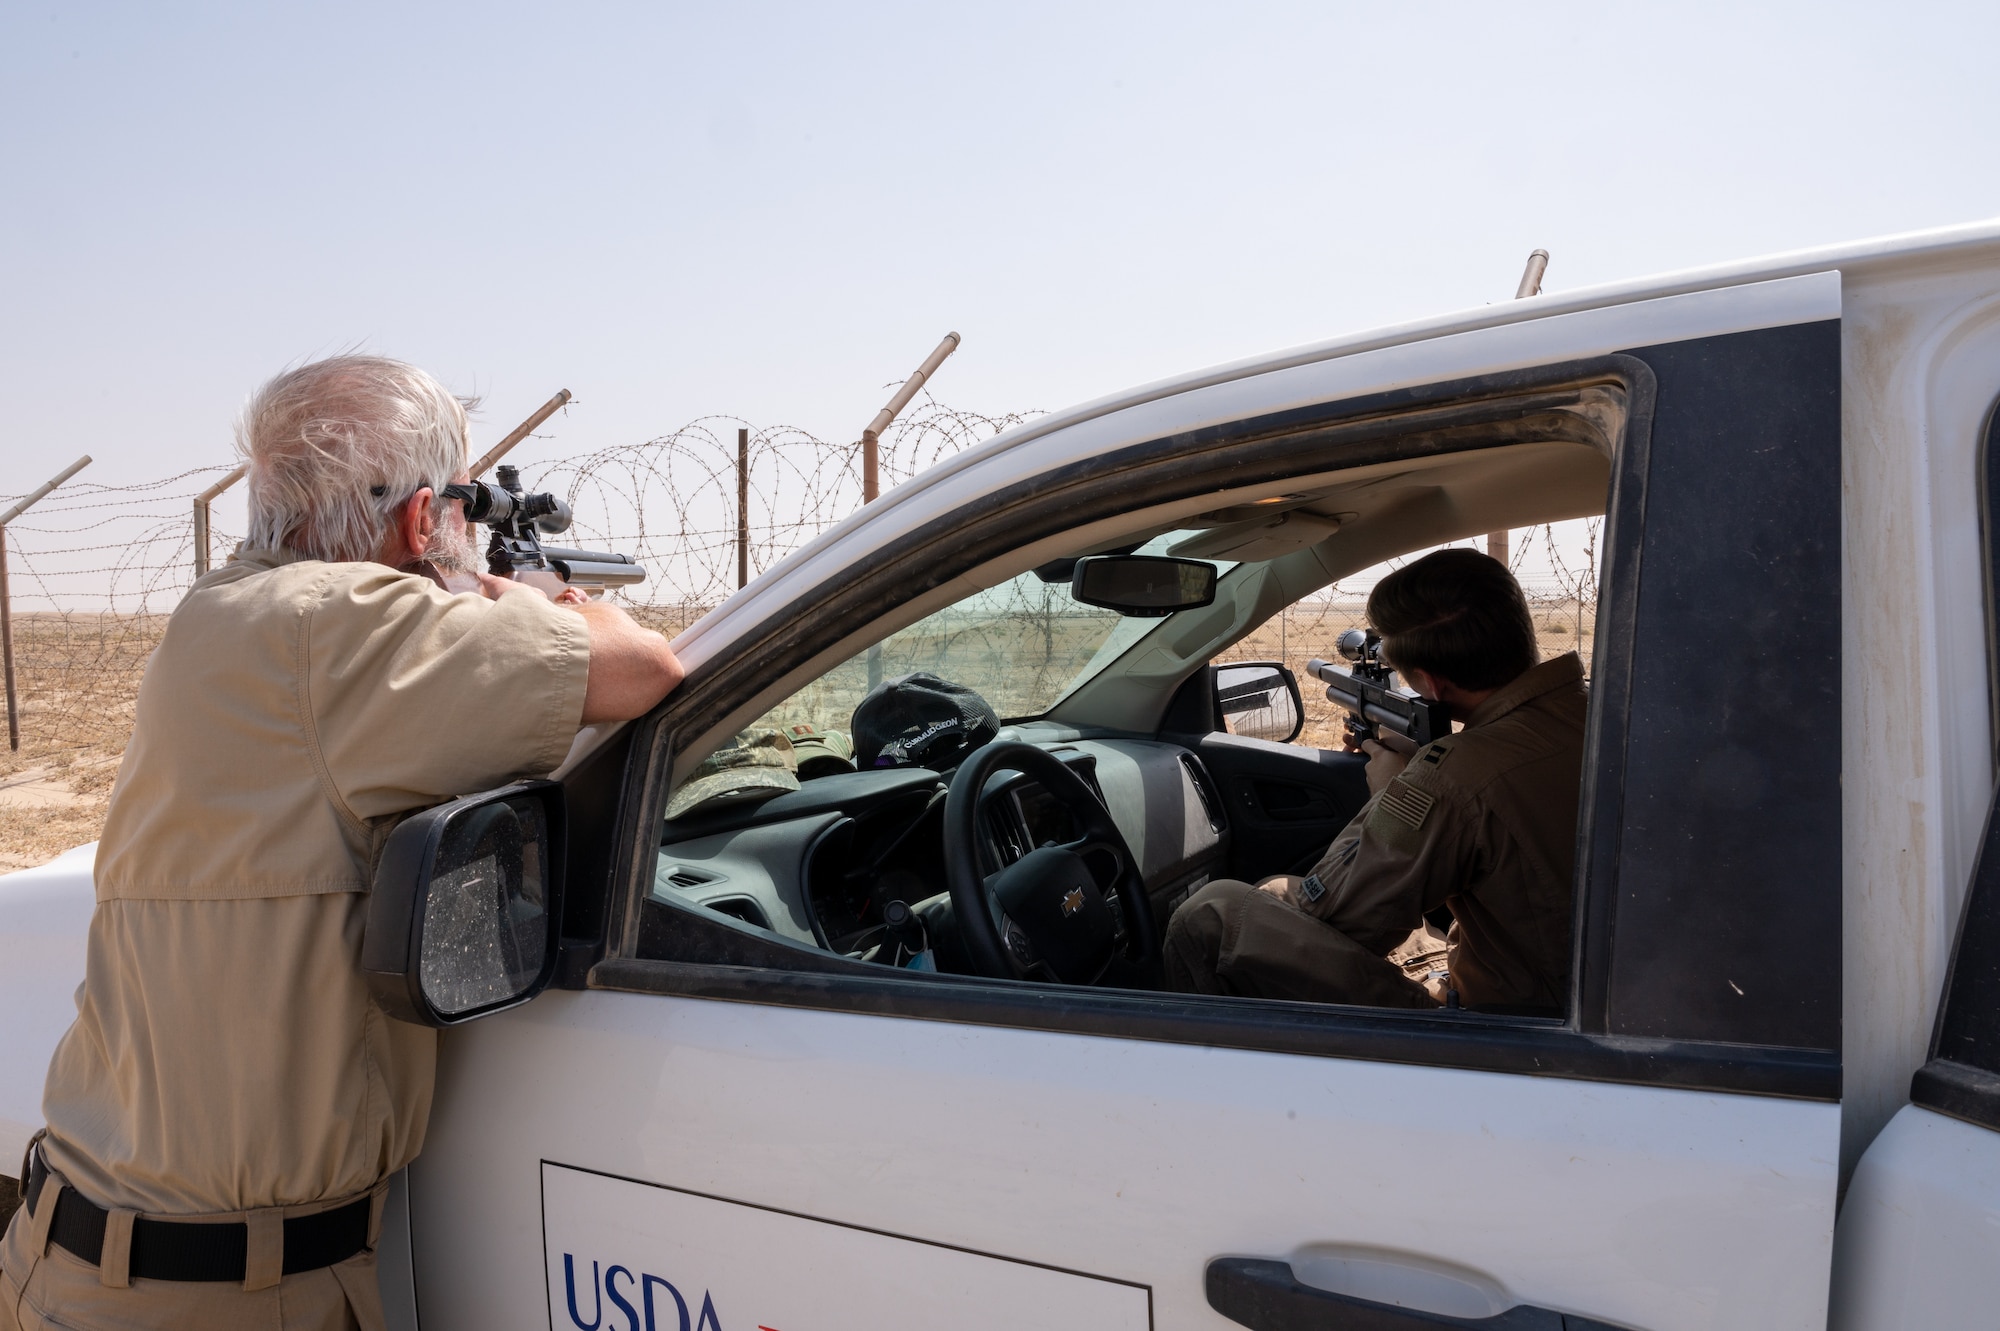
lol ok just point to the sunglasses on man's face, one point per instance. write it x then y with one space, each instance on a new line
467 493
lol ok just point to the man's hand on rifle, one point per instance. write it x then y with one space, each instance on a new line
493 587
1387 755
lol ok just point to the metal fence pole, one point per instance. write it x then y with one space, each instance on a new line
742 506
522 431
1531 276
6 599
1531 285
7 651
871 438
871 447
201 503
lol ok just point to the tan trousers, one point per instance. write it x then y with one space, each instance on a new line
42 1285
1231 938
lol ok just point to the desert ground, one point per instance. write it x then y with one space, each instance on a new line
78 676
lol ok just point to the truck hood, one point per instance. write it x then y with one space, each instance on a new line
44 921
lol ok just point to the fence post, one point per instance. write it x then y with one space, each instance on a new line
871 441
521 431
1531 285
201 503
6 599
742 506
871 437
7 650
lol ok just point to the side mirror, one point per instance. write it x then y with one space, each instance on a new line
466 915
1259 699
1143 586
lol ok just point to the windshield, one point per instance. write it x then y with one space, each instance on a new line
1020 645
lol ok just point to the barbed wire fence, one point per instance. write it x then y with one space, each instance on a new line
670 502
96 569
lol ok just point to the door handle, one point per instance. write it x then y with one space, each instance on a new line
1266 1296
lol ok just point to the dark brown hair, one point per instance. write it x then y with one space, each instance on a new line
1457 614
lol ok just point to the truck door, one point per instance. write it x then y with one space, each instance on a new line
1919 1234
721 1129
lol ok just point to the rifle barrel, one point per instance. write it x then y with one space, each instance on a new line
587 556
597 573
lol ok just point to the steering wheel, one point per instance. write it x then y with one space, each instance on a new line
1060 912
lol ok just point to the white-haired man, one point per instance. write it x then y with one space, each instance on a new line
226 1109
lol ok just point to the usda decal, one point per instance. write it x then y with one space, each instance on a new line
625 1256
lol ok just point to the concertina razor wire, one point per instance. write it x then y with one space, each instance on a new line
96 568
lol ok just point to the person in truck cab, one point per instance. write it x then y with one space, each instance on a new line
224 1112
1481 822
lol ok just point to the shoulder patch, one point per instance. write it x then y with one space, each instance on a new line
1435 752
1407 804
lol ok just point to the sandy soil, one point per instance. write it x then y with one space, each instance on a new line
77 677
79 680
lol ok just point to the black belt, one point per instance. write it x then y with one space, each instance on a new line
184 1250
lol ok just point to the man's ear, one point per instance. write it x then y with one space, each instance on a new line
416 522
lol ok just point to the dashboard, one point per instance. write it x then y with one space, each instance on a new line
818 866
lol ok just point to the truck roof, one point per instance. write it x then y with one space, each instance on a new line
1854 256
1944 246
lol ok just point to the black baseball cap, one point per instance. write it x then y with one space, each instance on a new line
919 720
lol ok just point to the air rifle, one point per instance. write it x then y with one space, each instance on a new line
1370 696
518 522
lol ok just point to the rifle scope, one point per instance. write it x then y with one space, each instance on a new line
1357 644
505 505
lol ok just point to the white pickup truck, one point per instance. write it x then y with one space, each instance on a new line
1773 1098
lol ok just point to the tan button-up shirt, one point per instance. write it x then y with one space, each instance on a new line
1484 822
225 1055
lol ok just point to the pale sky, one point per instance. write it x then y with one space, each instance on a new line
775 210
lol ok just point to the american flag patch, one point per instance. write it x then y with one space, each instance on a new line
1406 804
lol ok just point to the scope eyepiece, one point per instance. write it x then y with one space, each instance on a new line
549 514
504 505
1357 644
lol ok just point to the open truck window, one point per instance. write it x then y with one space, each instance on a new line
844 878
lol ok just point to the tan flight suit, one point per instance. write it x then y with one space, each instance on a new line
226 1061
1482 821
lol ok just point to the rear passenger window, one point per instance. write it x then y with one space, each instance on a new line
1555 563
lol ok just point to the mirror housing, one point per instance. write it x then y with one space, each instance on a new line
1143 586
1259 699
465 919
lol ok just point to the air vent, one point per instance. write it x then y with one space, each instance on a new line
741 908
683 877
1010 840
1085 768
1211 803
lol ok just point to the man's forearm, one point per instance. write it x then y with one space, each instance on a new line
631 666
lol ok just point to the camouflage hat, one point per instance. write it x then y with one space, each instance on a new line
820 752
754 765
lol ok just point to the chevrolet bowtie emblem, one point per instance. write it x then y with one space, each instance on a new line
1072 902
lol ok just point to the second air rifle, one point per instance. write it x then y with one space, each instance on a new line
1376 707
519 520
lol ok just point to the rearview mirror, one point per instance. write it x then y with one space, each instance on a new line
465 919
1143 586
1259 699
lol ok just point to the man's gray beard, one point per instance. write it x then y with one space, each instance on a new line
451 549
